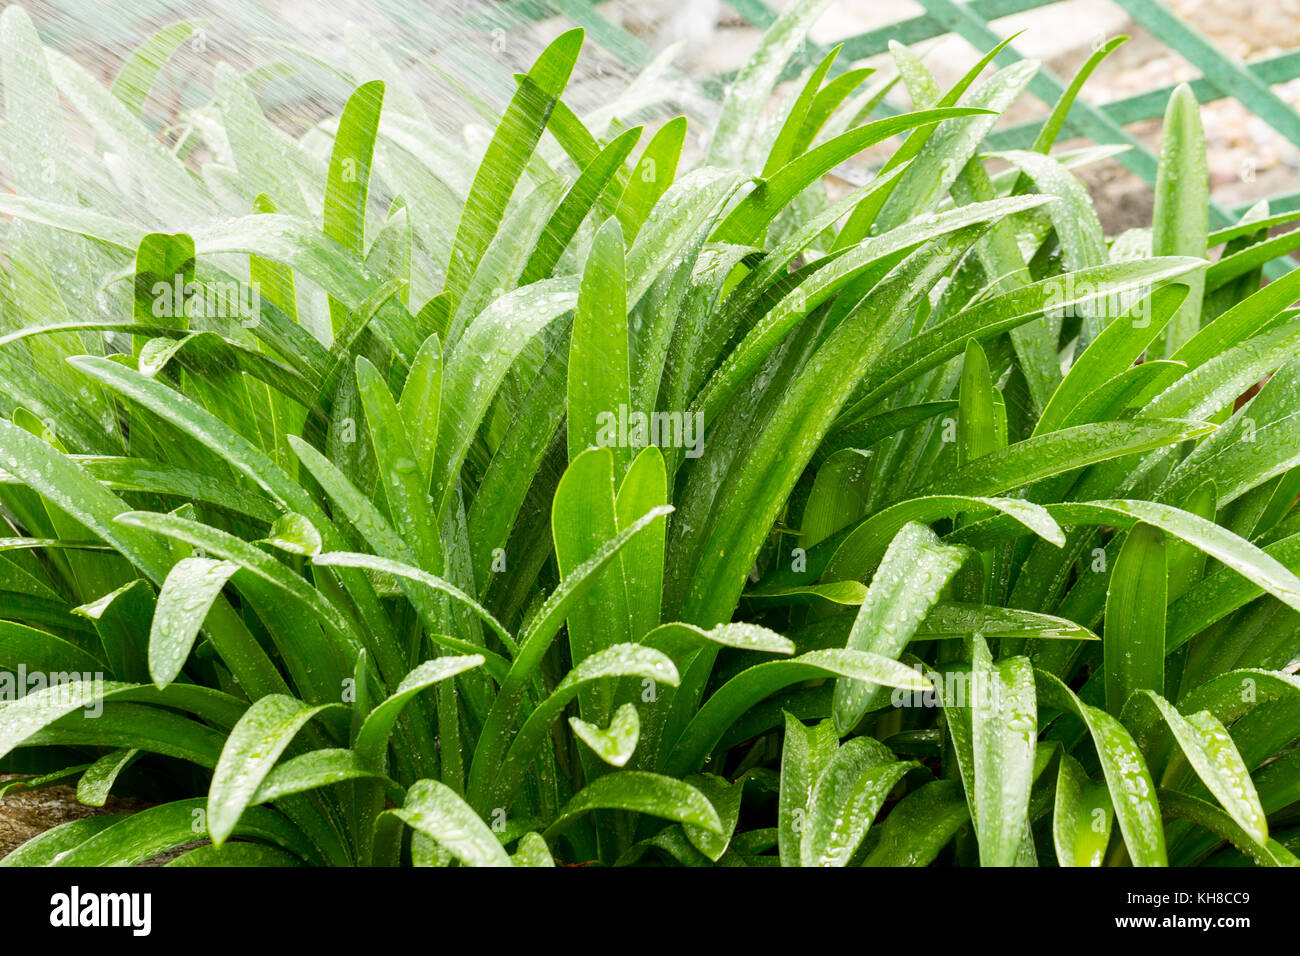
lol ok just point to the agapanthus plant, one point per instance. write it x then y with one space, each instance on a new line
370 498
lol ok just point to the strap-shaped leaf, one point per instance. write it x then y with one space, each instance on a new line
372 739
861 549
1004 731
616 743
503 163
317 768
725 797
1132 792
749 93
805 753
1181 806
639 792
654 172
846 798
40 650
44 848
28 714
989 316
919 826
1181 219
533 646
1113 351
583 518
1082 816
621 660
825 282
405 480
352 559
94 786
434 809
533 851
678 639
252 749
915 569
585 192
183 602
142 836
421 402
1134 637
1209 749
773 193
477 364
1217 542
744 690
948 620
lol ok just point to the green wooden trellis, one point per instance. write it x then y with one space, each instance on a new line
1221 75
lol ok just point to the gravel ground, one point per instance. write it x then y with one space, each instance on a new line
1247 159
24 814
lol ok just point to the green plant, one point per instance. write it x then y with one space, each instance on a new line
379 564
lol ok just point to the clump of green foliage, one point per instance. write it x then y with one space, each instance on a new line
328 463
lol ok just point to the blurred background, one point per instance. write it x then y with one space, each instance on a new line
457 56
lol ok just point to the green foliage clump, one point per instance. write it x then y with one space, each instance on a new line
385 504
